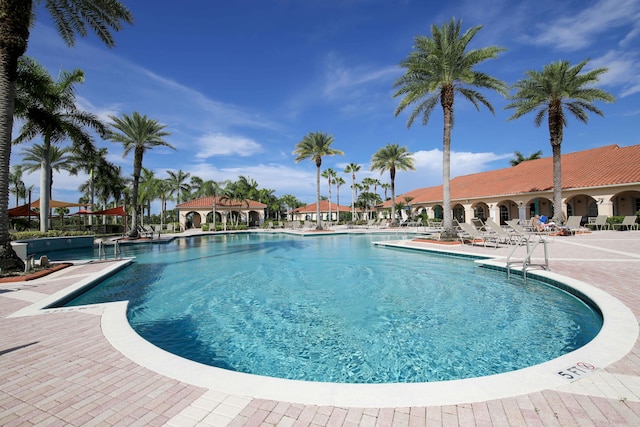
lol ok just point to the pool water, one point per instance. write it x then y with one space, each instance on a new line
339 309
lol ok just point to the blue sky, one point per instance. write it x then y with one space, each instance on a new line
238 84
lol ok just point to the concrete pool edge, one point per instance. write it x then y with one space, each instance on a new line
616 338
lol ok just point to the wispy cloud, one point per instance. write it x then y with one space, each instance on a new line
623 70
580 30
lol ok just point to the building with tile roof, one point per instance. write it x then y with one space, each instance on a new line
309 212
599 181
199 211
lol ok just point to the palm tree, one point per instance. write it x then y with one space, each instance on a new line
521 158
49 110
352 168
138 133
70 18
290 201
59 159
147 191
329 174
16 185
557 87
437 69
180 188
367 183
338 181
392 158
235 197
94 164
386 187
314 146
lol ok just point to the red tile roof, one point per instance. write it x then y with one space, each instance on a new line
207 202
598 167
324 207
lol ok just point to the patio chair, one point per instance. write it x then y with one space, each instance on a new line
472 234
572 226
477 223
504 236
629 223
600 223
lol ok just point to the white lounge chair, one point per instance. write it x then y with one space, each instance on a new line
600 223
490 226
470 233
572 226
629 223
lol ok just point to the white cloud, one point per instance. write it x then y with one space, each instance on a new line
623 70
580 30
217 144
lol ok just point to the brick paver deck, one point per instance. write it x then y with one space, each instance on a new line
59 369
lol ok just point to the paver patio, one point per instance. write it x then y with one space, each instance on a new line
59 369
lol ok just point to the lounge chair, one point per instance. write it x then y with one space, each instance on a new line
629 223
146 231
600 223
477 223
572 226
504 236
472 234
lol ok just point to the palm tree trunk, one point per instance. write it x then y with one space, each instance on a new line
318 219
45 173
392 176
137 166
15 17
447 106
557 184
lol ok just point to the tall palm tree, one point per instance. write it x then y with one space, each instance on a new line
368 197
338 181
392 158
147 191
16 184
49 110
59 159
521 157
329 174
180 188
386 187
70 18
558 87
94 164
235 197
314 146
439 68
352 168
138 133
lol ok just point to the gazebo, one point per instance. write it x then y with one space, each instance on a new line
220 210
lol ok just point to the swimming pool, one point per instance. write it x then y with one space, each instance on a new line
337 309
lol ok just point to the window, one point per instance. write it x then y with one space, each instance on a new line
504 214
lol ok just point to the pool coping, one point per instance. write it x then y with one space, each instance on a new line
616 338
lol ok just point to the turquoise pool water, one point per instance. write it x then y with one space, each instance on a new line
338 309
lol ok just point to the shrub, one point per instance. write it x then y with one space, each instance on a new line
27 235
204 227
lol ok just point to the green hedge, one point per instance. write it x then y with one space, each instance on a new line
27 235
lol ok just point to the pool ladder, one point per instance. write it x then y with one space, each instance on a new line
526 262
102 253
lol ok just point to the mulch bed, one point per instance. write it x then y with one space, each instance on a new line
22 277
437 242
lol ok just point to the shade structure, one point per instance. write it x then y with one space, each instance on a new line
58 204
21 211
117 211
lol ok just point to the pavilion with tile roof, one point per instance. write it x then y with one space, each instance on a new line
599 181
200 211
